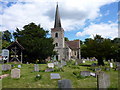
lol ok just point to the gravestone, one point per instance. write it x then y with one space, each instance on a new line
85 73
15 73
103 80
19 66
55 63
6 67
107 69
66 83
97 69
49 70
59 65
36 67
92 74
51 65
111 65
83 61
93 64
27 63
55 76
63 63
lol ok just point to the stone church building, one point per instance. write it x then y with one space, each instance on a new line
66 50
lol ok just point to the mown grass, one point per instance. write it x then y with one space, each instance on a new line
27 79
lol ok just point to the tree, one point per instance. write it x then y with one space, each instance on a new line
33 39
99 47
7 36
66 39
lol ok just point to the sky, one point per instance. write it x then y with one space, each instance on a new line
80 19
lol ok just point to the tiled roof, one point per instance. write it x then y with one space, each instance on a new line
73 44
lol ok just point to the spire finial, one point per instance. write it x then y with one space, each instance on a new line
57 18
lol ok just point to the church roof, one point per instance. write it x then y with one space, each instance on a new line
16 43
57 19
73 44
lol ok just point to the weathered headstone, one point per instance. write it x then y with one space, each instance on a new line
27 63
66 83
6 67
51 65
36 67
111 65
49 70
15 73
19 66
55 76
103 80
85 73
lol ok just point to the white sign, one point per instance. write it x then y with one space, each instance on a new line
5 52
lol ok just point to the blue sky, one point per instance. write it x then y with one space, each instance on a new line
81 19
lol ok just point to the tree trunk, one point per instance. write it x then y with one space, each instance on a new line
100 61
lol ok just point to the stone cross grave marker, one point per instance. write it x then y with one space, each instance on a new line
19 66
65 83
103 80
6 67
15 73
85 73
36 67
51 65
55 76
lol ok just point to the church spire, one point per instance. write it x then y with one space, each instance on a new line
57 18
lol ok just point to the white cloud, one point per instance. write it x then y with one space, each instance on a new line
73 13
105 30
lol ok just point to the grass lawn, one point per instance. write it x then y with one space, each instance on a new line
27 79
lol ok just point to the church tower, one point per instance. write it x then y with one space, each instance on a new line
57 34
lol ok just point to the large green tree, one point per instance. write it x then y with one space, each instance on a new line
99 47
34 39
6 38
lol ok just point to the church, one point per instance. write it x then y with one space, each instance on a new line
66 50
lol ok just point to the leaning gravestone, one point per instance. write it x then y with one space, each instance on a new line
55 76
85 73
15 73
103 80
66 83
51 65
6 67
36 67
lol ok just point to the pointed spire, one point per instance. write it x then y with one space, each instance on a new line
57 18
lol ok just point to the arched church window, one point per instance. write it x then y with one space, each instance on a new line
56 44
56 35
